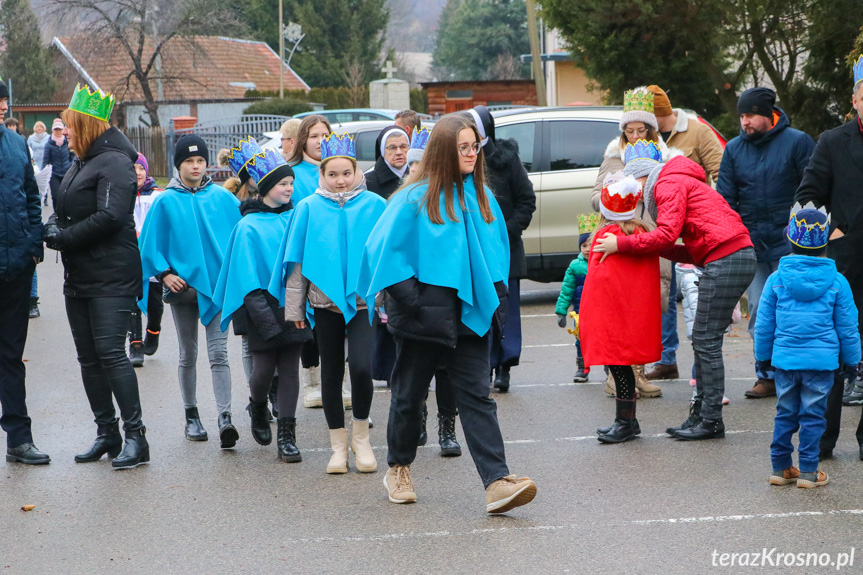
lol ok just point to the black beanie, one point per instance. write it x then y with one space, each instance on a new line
757 101
273 178
4 89
189 146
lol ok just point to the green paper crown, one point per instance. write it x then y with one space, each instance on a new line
587 223
97 104
638 100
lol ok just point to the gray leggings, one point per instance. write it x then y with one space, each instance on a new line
186 322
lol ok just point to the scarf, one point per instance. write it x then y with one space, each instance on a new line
58 140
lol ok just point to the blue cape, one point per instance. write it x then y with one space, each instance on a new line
467 255
328 241
249 259
306 181
188 233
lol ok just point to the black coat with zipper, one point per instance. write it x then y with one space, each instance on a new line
93 208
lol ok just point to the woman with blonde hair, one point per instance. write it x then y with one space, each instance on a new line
289 132
37 141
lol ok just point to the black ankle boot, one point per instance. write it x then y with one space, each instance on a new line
691 421
636 428
706 429
136 354
449 447
228 434
274 394
501 380
260 422
194 429
580 375
287 440
136 450
108 440
151 342
424 436
625 424
34 307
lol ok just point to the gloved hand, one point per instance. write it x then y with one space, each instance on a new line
561 320
767 365
52 236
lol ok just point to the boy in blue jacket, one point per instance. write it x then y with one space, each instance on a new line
806 327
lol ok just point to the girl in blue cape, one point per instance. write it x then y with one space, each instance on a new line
322 261
182 244
241 290
440 252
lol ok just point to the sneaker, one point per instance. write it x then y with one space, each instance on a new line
787 477
855 396
509 493
816 479
725 400
400 487
34 308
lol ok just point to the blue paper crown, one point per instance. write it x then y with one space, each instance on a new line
421 139
643 150
240 155
808 227
263 164
858 71
334 146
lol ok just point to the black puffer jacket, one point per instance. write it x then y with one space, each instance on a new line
93 208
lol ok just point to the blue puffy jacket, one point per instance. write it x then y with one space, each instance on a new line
758 178
20 210
807 318
58 157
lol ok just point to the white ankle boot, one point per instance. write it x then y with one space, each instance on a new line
362 447
339 442
311 378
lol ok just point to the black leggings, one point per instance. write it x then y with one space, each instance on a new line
311 357
624 380
155 309
330 328
264 364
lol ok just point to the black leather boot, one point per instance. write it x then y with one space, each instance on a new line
449 447
136 450
260 423
424 436
287 440
34 308
228 434
194 429
691 421
580 375
136 354
706 429
274 394
151 342
501 380
28 454
108 440
623 428
636 429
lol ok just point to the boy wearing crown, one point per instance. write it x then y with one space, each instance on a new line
807 328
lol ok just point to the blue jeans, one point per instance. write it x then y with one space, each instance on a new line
670 341
753 294
801 404
34 287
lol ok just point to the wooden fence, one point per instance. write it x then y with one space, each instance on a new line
153 143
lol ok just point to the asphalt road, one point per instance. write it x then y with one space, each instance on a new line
654 505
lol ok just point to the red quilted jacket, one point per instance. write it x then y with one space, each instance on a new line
688 208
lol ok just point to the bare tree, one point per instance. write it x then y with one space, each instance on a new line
354 74
506 67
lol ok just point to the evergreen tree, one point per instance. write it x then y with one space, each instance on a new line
25 60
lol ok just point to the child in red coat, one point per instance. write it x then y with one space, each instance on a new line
620 323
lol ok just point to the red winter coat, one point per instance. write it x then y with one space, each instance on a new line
620 318
690 209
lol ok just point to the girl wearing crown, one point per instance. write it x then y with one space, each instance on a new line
441 254
626 288
250 258
322 254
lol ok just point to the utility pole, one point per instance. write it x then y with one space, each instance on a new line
535 55
281 54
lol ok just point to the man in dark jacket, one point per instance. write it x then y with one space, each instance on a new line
513 190
833 179
20 250
759 174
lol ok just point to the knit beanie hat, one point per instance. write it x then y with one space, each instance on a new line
758 100
4 89
638 107
57 124
583 238
661 103
143 162
190 146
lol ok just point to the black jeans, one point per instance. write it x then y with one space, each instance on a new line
14 321
99 330
330 327
467 366
444 394
155 310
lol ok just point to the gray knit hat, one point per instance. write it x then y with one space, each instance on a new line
638 107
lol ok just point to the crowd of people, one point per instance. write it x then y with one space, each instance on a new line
410 272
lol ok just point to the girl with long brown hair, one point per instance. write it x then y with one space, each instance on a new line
440 254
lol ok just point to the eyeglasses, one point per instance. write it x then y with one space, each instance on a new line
402 148
638 132
466 149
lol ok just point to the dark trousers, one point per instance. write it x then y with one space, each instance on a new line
834 416
444 394
311 356
506 352
331 330
14 321
155 309
467 366
264 364
99 330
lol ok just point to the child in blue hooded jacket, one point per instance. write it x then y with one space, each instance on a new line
806 327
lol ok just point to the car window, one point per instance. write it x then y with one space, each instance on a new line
576 144
523 133
369 116
365 143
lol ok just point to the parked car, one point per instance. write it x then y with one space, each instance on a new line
561 149
354 115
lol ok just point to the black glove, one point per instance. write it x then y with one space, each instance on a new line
52 236
767 365
561 320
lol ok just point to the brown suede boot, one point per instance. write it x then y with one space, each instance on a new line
662 371
643 385
762 388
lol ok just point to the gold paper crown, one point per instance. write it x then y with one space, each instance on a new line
96 104
638 100
587 223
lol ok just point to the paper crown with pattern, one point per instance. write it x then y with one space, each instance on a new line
240 154
619 199
263 164
334 146
809 227
587 223
642 150
638 100
96 104
421 139
858 71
